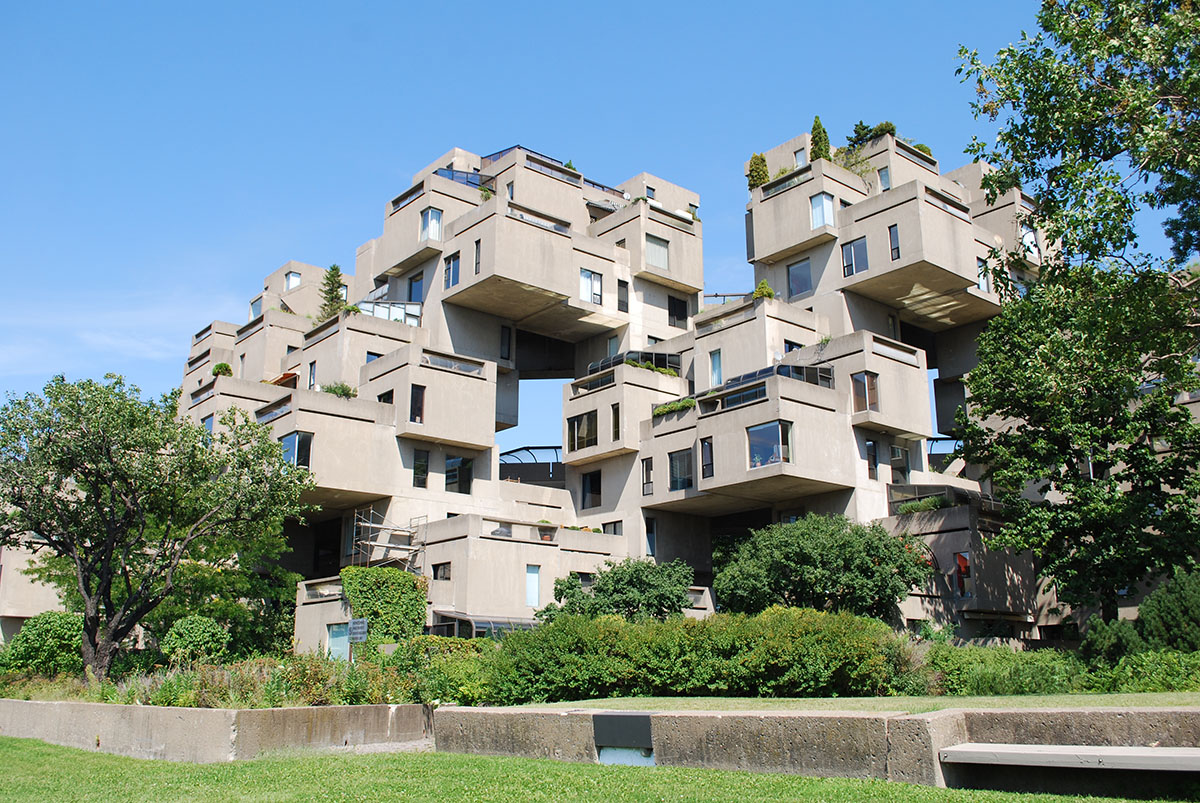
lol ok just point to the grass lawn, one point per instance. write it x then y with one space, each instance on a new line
37 771
911 705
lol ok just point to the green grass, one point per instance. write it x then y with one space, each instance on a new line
37 771
910 705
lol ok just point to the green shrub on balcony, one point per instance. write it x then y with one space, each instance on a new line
763 290
674 406
758 174
649 366
923 505
222 369
340 389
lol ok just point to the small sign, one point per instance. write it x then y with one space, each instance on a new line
358 630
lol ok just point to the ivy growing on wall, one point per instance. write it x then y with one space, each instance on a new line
390 599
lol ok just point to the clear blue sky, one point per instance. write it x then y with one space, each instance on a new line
157 160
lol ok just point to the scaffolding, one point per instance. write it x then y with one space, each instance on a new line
401 546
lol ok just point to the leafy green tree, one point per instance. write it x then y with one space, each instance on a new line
47 644
635 589
333 290
195 638
822 562
1099 116
1169 619
126 491
1074 398
759 174
818 141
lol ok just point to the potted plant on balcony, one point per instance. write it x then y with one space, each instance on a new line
545 530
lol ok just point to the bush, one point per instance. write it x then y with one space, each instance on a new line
1169 619
1151 671
922 505
222 369
1002 671
758 173
1106 643
195 639
340 389
47 644
676 406
763 290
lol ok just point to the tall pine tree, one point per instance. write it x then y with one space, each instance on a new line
819 141
333 299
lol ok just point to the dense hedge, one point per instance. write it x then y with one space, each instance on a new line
195 638
47 644
390 599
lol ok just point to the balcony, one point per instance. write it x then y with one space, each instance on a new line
779 217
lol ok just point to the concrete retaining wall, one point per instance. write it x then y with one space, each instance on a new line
207 735
886 745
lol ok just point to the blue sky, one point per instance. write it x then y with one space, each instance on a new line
157 160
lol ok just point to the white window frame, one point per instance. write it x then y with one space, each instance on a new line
431 223
291 280
822 201
654 247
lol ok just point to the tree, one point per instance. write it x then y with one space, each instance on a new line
758 174
1074 399
126 491
635 589
818 141
1100 116
333 293
822 562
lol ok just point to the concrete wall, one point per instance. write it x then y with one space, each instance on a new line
208 735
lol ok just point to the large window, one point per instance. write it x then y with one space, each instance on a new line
451 274
416 406
677 312
291 280
207 423
256 308
854 257
714 368
769 443
581 431
297 448
420 468
822 209
533 578
706 457
801 157
657 253
416 288
589 492
647 476
590 286
894 240
866 391
431 224
622 295
885 179
679 465
799 276
458 474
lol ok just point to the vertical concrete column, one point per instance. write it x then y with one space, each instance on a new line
913 742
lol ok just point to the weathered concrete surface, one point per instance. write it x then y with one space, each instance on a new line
821 743
533 732
1150 727
913 743
207 735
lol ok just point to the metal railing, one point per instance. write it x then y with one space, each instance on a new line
407 312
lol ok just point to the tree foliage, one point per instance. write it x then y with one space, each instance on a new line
390 599
818 141
195 638
758 174
635 589
1169 619
822 562
333 299
1099 116
126 491
864 133
1074 398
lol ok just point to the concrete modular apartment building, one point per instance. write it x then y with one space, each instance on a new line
515 266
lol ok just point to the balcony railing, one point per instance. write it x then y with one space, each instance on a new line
665 361
538 220
595 185
407 312
798 176
468 178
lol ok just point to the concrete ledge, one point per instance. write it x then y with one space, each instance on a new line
537 733
1129 727
1158 759
914 741
208 735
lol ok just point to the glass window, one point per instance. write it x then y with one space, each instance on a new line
387 397
343 292
651 536
677 312
337 641
614 344
657 253
872 450
1029 240
590 286
854 257
612 528
416 405
590 490
533 594
291 280
431 224
893 327
650 192
647 476
885 179
458 474
985 278
714 368
866 392
799 276
963 585
372 356
706 457
622 295
312 375
822 209
801 157
679 466
420 468
581 431
207 423
899 465
451 274
478 254
505 343
769 443
416 288
511 192
255 308
616 422
651 340
894 241
441 571
297 448
790 346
